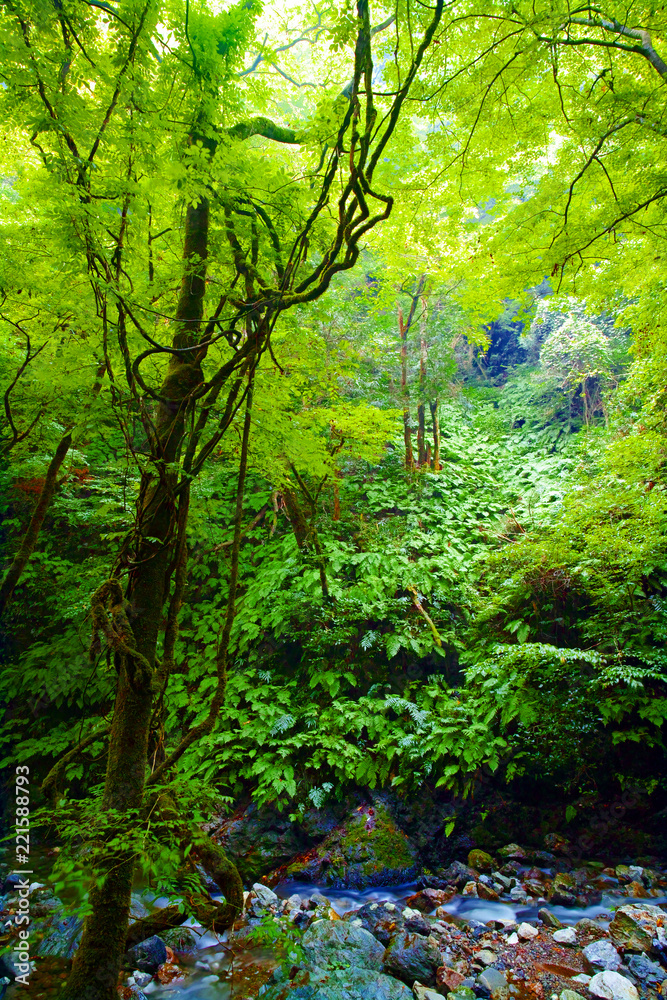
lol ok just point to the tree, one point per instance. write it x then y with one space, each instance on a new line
135 125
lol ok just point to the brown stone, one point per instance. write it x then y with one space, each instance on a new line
636 890
634 927
448 978
429 899
486 892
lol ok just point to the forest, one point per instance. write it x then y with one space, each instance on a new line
333 481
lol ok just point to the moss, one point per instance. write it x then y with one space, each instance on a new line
368 849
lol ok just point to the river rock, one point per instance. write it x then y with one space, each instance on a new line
183 943
570 995
329 945
448 979
428 900
548 918
487 892
612 986
416 922
493 981
514 852
481 861
337 984
412 957
425 993
643 968
527 932
469 889
147 956
567 936
601 955
634 926
562 890
263 895
458 874
382 920
61 936
366 849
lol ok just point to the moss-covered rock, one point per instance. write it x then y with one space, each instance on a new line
481 861
365 849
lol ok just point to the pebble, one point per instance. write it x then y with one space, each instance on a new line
265 896
425 993
571 995
601 955
527 932
486 956
566 936
513 938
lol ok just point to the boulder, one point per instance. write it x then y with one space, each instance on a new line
263 895
644 969
410 956
562 890
612 986
416 922
366 849
183 943
514 852
428 899
481 861
337 984
382 920
487 892
601 955
335 945
635 926
458 874
147 956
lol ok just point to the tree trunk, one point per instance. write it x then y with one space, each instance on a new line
433 406
421 433
97 963
29 540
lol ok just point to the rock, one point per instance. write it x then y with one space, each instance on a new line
634 927
493 981
448 978
382 920
169 973
582 978
486 956
513 938
567 936
481 861
570 995
329 945
561 890
463 993
141 979
527 932
469 889
514 852
458 874
643 968
637 890
486 892
138 908
183 943
612 986
590 928
61 936
601 955
263 895
518 894
366 849
557 843
429 899
341 984
424 993
548 918
416 922
534 887
147 956
503 880
411 956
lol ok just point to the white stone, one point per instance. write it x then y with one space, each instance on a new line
389 906
425 993
527 931
356 923
373 906
469 889
264 895
566 935
408 913
582 978
611 985
513 939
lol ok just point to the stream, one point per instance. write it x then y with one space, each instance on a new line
221 976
